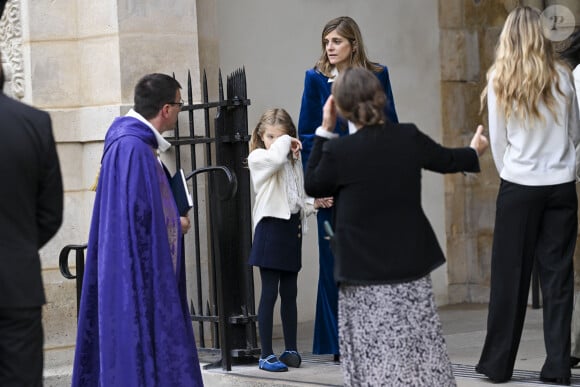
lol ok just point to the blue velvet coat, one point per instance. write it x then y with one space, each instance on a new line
316 91
134 327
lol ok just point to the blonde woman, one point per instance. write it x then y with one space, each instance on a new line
534 134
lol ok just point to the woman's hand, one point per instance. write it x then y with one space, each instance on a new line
185 224
479 142
324 202
329 115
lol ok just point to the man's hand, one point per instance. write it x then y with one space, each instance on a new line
185 224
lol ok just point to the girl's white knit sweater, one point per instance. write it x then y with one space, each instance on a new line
270 181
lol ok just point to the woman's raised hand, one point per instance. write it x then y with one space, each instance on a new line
329 115
479 142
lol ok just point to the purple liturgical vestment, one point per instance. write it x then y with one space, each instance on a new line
134 327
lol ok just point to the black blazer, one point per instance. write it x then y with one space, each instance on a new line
381 232
31 200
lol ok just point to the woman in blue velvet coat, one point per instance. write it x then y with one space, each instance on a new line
342 47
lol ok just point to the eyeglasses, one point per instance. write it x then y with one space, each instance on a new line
180 103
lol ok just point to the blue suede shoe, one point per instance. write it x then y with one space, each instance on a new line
291 358
272 364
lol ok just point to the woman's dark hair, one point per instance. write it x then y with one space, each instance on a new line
359 96
572 53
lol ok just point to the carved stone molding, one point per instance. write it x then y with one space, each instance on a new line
11 48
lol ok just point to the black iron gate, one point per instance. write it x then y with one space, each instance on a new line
217 247
226 307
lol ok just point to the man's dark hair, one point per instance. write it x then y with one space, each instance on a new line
572 53
152 92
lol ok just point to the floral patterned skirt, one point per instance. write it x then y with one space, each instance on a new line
390 335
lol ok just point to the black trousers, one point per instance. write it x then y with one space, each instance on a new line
532 224
21 341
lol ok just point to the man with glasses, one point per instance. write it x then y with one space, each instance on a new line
134 326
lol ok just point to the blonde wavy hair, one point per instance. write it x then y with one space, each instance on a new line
525 68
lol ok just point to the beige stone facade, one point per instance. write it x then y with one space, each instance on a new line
80 60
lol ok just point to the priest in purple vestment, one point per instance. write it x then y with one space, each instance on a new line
134 327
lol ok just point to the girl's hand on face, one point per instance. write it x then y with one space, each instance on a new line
295 147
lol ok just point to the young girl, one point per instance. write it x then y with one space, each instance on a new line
279 212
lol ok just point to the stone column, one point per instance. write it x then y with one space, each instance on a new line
80 60
468 32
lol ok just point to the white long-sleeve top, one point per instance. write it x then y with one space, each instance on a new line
534 153
576 74
272 176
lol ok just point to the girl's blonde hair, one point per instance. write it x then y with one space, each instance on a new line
348 29
273 117
525 68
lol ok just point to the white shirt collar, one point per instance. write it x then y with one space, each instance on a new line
162 143
334 73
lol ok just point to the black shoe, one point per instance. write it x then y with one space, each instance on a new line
492 379
336 358
565 381
291 358
574 361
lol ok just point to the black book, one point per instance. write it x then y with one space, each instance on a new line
181 192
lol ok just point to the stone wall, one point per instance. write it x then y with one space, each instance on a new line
469 30
80 60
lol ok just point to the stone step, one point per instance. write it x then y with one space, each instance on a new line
59 315
58 366
59 319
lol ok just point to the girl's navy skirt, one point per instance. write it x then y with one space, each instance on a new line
278 244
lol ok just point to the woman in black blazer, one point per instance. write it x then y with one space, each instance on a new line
385 248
